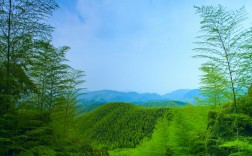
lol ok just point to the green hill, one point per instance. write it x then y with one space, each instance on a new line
119 125
92 105
162 104
88 107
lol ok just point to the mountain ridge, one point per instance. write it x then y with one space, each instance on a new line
105 96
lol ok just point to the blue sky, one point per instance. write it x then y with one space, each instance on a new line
134 45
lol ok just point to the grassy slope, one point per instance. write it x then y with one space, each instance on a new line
119 125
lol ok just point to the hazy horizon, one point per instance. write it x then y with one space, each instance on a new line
127 91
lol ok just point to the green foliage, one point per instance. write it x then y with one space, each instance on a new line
38 90
242 145
223 138
213 85
39 95
225 44
119 125
222 43
162 104
180 131
88 107
22 23
197 130
43 150
187 131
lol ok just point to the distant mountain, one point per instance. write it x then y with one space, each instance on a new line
105 96
177 94
185 95
163 104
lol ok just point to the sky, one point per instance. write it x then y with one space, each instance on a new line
134 45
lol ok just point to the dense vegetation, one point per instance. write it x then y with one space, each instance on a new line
162 104
38 90
91 105
188 130
180 131
119 125
39 95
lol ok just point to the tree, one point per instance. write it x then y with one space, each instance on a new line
213 85
48 72
66 109
222 43
57 90
36 83
22 23
71 96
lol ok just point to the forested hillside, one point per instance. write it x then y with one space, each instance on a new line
119 125
163 104
126 129
199 130
87 107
